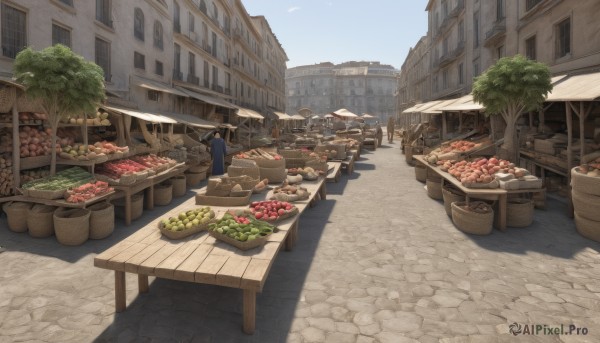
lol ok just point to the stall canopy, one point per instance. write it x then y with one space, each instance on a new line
464 103
426 106
11 82
282 116
585 87
328 116
367 116
248 113
190 120
157 86
436 109
414 108
149 117
344 113
206 98
297 117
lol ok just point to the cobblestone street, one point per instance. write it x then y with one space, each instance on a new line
378 261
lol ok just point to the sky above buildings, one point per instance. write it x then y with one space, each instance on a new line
314 31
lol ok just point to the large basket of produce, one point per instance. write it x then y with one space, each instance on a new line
587 205
587 228
179 185
271 211
137 206
241 232
219 187
203 199
243 163
289 153
253 172
16 213
200 168
519 212
194 179
87 191
54 187
586 180
186 223
420 172
434 189
317 165
263 158
475 218
451 194
102 220
40 222
245 181
72 226
295 162
289 193
163 193
274 175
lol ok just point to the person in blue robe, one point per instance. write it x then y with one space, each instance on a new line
218 150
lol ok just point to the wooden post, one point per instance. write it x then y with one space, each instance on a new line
16 152
460 122
542 115
143 283
502 199
444 125
569 155
249 311
120 291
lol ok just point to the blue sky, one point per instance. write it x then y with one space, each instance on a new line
313 31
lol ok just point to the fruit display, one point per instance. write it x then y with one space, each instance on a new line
459 146
591 168
98 119
63 180
108 148
261 186
116 169
80 152
34 174
241 228
307 173
259 154
6 175
27 117
482 170
289 193
272 210
154 162
189 220
87 191
35 142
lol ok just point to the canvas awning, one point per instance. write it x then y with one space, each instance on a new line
423 107
436 108
157 86
297 117
328 116
206 98
11 82
149 117
191 120
342 112
282 116
584 87
366 115
248 113
464 103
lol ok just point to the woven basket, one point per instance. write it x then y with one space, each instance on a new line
26 104
450 195
295 162
264 163
243 163
519 212
275 175
203 199
184 233
72 227
194 179
421 172
247 245
247 182
179 185
102 220
200 168
16 213
8 96
434 190
40 223
408 154
587 205
472 222
587 228
47 195
137 206
317 165
585 184
253 172
217 188
286 153
163 193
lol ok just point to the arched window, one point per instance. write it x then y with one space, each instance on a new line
158 35
215 12
138 24
203 6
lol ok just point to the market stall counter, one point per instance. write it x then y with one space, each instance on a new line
333 172
499 194
201 258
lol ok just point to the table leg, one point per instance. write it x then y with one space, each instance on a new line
502 198
143 283
292 236
249 311
323 191
150 197
120 294
127 208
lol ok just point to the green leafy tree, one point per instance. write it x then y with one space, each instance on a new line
511 87
63 82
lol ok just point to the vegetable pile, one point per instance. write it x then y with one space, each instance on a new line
87 191
116 169
6 175
480 170
188 220
478 207
460 146
271 210
36 142
69 178
241 228
259 153
154 162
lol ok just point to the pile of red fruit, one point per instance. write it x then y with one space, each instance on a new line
271 210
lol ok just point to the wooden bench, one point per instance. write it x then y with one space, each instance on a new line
348 164
334 171
201 258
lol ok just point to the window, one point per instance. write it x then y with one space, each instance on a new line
158 35
202 6
476 30
444 9
499 10
215 77
529 4
476 68
67 2
192 64
14 35
445 46
563 38
191 22
139 60
206 74
215 12
445 79
102 57
177 61
461 31
103 12
153 95
530 52
158 68
138 24
500 52
60 35
461 74
176 21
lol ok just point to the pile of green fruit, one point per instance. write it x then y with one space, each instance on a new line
241 228
69 178
188 220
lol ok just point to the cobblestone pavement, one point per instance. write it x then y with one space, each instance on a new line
378 261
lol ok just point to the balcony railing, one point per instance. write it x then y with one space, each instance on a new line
448 57
177 75
207 48
193 79
206 84
228 91
495 33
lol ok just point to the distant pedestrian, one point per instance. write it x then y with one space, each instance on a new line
218 149
379 133
390 129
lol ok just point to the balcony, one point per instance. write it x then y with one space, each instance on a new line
193 79
449 19
496 33
177 75
207 48
449 57
206 84
228 91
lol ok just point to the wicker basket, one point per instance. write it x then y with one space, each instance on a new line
16 213
184 233
587 205
40 223
200 168
247 245
585 184
472 222
8 95
519 212
587 228
194 179
434 190
203 199
247 182
451 194
163 193
408 154
287 153
137 206
264 163
72 227
218 188
420 172
253 172
102 220
179 185
317 165
26 104
243 163
275 175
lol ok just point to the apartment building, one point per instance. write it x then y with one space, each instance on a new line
465 37
361 87
163 55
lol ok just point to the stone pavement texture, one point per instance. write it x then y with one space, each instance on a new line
378 261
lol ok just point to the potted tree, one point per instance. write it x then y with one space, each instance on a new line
511 87
63 82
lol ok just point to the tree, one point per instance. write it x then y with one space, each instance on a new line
511 87
63 82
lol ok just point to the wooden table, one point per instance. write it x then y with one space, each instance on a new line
334 171
62 202
499 194
201 258
348 164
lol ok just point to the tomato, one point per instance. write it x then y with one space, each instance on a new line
281 211
254 203
258 215
288 207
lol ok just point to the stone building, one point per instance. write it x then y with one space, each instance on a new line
465 37
195 56
360 87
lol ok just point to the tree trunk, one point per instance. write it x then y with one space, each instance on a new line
54 127
510 139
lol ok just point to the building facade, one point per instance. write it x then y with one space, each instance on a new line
155 53
465 37
360 87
